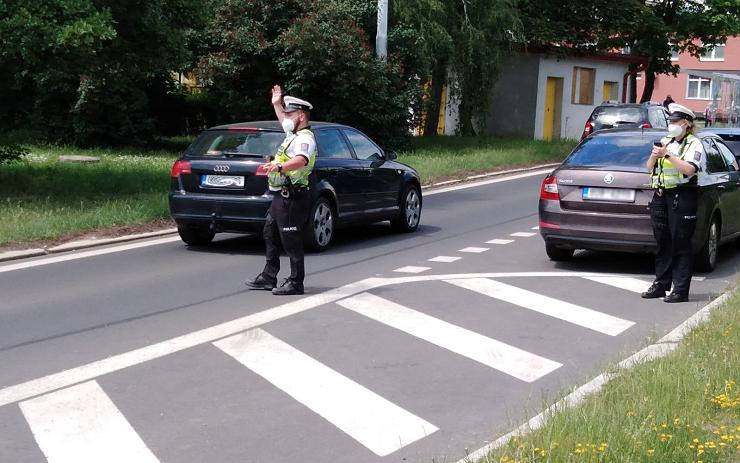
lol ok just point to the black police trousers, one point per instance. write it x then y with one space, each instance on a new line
284 232
673 217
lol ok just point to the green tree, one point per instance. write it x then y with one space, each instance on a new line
88 70
653 29
459 43
319 50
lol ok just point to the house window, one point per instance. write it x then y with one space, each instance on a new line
582 90
699 88
716 53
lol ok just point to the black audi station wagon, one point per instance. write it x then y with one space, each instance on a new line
217 184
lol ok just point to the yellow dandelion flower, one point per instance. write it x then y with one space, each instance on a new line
650 452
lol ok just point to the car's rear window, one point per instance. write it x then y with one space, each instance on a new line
613 115
621 152
236 143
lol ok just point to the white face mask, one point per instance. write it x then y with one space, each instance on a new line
288 125
675 130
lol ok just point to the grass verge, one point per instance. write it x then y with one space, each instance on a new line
45 199
684 407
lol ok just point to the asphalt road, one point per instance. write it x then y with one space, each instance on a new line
406 348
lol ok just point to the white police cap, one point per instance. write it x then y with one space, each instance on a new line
292 103
678 111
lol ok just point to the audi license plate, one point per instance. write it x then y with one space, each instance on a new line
621 195
223 181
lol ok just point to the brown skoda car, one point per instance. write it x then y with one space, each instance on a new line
598 198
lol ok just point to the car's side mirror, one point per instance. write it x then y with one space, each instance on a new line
391 155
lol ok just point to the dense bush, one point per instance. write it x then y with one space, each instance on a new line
11 153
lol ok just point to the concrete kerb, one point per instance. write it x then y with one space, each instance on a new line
661 348
89 243
81 244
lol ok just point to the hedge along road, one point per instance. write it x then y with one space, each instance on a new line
513 299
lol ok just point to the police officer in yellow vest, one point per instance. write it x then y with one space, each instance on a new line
674 167
288 179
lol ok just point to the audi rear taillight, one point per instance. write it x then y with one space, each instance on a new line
549 189
180 167
587 130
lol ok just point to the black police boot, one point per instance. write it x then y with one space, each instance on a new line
676 297
655 291
261 282
288 288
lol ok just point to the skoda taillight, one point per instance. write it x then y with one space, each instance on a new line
180 167
549 189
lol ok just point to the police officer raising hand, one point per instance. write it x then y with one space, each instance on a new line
288 177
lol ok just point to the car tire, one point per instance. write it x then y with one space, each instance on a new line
409 210
706 260
558 254
195 235
319 230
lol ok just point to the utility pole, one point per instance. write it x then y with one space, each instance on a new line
381 38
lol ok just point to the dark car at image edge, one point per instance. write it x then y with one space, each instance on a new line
217 184
597 199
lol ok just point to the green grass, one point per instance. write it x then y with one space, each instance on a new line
43 199
684 407
440 158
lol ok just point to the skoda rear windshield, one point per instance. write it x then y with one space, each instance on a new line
612 115
627 153
242 143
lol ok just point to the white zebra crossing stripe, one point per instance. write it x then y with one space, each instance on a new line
445 259
630 284
411 269
495 354
523 234
499 241
373 421
597 321
473 249
81 424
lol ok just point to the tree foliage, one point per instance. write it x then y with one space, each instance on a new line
653 29
459 43
85 70
318 50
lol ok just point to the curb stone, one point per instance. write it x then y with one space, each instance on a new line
89 243
81 244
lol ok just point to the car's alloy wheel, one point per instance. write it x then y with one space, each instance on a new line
409 210
707 258
195 235
320 227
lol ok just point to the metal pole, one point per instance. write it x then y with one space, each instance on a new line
381 39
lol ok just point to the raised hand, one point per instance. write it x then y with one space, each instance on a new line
277 95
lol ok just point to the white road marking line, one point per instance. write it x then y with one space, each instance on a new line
495 354
523 234
81 424
536 227
473 249
499 241
630 284
51 382
597 321
445 259
411 269
373 421
488 182
82 255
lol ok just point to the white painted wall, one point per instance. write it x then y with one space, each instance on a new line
574 115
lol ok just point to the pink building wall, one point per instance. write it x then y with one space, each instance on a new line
677 86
